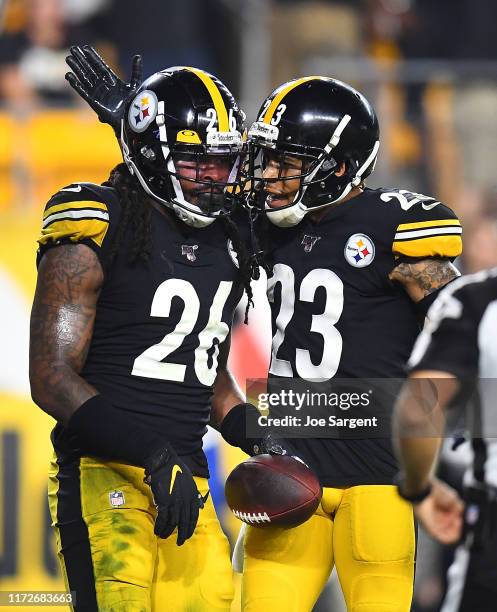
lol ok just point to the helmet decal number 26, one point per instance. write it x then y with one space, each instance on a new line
322 324
151 364
212 116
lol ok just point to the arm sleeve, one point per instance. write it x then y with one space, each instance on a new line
428 230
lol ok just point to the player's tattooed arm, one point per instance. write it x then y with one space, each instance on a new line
227 393
62 318
420 278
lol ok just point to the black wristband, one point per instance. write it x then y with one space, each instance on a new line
417 497
234 427
102 430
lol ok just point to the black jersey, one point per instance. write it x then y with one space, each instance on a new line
335 313
158 325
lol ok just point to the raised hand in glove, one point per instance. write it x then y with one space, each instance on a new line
96 83
175 493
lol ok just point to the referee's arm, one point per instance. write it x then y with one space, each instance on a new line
445 354
418 426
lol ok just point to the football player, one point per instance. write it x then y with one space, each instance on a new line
353 271
138 279
455 359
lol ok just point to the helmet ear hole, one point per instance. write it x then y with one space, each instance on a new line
342 168
328 165
148 153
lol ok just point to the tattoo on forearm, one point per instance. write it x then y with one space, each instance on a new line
428 274
61 327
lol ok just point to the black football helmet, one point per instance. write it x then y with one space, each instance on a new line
185 116
324 122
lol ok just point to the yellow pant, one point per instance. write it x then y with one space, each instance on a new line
111 557
366 531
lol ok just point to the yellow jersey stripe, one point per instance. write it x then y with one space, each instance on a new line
73 205
422 224
433 246
76 215
429 231
281 94
75 230
217 99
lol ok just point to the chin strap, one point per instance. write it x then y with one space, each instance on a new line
287 217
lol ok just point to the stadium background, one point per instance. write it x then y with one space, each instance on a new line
429 67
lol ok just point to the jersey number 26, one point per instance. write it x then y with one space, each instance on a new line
151 363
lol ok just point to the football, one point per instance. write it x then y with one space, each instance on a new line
273 490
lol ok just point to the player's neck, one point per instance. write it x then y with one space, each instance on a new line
318 215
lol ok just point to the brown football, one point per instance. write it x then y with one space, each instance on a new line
273 490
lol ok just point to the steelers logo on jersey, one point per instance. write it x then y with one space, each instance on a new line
142 111
359 250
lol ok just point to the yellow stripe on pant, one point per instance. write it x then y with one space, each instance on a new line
366 531
133 570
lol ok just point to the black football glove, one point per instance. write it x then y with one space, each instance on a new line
175 493
96 83
240 427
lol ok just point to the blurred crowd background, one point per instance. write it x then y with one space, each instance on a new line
428 66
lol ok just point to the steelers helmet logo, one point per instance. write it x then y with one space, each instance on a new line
359 250
142 111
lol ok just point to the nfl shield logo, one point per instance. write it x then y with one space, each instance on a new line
472 514
189 251
309 241
116 499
